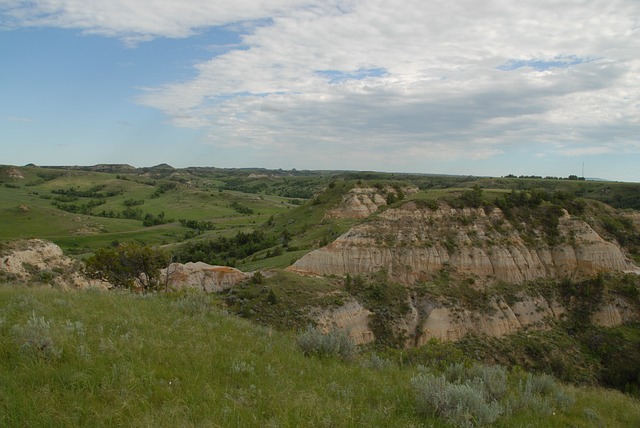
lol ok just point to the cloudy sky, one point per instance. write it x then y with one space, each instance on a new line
458 86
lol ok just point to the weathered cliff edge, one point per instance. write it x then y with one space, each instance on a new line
415 244
37 260
430 319
361 202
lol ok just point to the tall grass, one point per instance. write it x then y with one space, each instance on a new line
122 359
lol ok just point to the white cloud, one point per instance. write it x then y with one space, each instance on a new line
18 119
135 21
392 81
586 151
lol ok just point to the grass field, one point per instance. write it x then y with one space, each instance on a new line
119 359
231 200
27 210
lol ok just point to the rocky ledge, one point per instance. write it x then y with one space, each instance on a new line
415 244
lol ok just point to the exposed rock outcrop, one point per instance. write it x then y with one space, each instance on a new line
499 319
202 276
415 244
361 202
36 260
13 172
614 313
351 316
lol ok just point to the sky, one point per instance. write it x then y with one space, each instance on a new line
463 87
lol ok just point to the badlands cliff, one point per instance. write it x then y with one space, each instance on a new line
414 244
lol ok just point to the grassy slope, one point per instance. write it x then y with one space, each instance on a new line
129 360
26 210
208 194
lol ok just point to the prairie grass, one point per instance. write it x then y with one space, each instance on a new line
180 360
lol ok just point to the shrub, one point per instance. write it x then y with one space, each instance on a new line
437 354
494 380
541 393
461 404
376 362
334 343
35 338
193 304
129 265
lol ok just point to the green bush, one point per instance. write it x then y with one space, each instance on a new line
460 404
542 394
335 343
129 265
35 338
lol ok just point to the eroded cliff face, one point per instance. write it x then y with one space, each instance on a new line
442 320
36 260
452 323
351 317
361 202
415 244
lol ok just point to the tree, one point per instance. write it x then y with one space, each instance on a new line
129 266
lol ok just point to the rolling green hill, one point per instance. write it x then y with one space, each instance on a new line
257 219
120 359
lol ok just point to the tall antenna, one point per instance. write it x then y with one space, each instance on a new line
583 170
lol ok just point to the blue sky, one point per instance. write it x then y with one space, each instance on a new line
457 87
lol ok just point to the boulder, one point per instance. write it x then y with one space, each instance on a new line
202 276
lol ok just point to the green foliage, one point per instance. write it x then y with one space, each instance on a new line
241 209
198 224
163 188
154 220
582 299
618 351
35 339
93 192
387 300
257 278
225 251
554 351
80 208
539 209
133 202
118 368
478 395
436 354
460 404
622 228
471 198
283 300
194 304
129 266
335 343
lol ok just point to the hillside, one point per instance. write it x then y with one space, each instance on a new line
523 271
120 359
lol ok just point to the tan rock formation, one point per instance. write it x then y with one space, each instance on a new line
202 276
451 324
361 202
351 316
414 244
614 313
13 172
43 261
